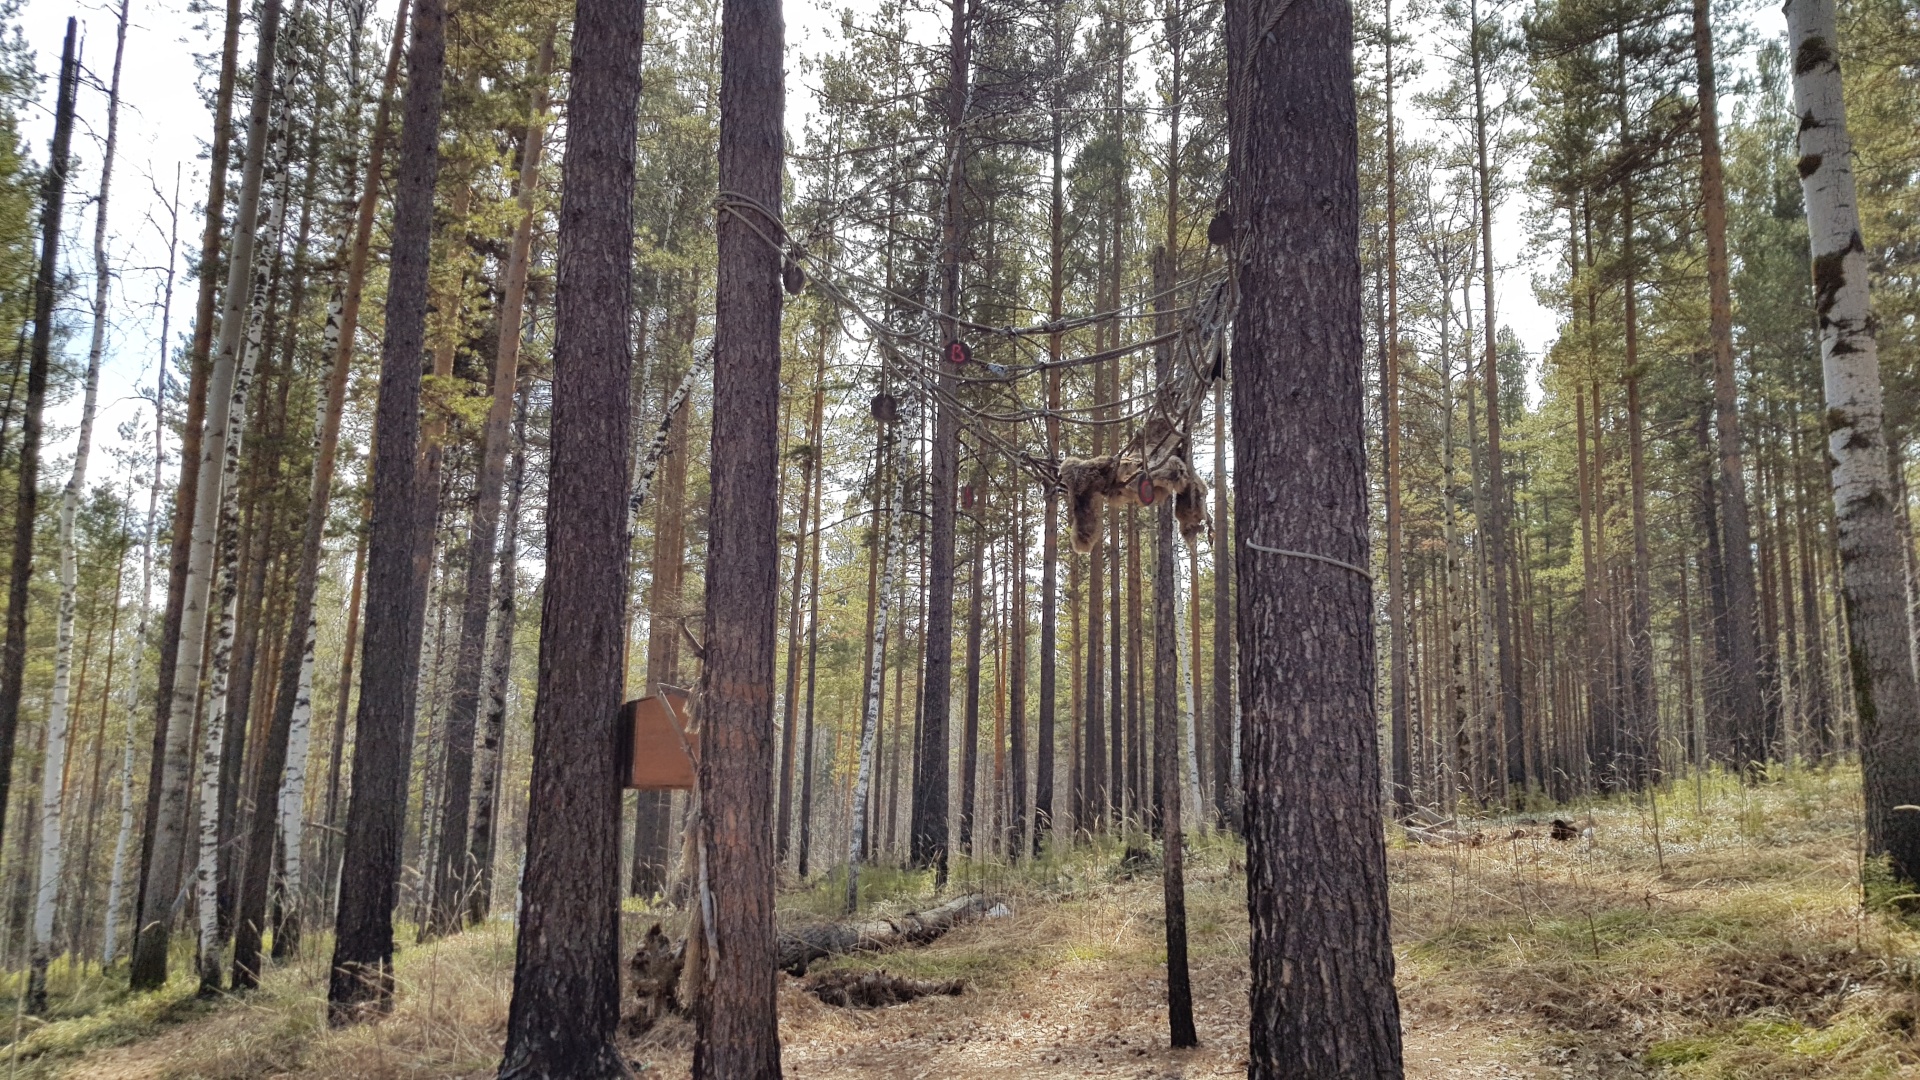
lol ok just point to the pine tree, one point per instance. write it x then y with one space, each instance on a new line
1304 617
362 969
735 1018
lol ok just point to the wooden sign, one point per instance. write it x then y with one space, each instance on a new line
656 751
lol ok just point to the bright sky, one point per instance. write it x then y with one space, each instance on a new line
163 126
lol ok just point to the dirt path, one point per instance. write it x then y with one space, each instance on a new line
1086 1019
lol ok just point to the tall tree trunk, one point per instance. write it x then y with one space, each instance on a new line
1016 831
1050 525
53 766
1092 797
979 599
858 848
1402 778
653 810
224 385
1316 878
13 652
1511 737
346 325
1166 704
810 480
1873 566
928 847
1226 697
481 840
397 549
736 1022
218 774
1748 721
291 818
1643 734
337 341
806 739
199 364
566 979
343 697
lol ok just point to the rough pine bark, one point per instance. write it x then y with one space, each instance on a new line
1050 509
979 598
1226 757
337 345
566 975
1873 569
361 978
735 1019
1322 962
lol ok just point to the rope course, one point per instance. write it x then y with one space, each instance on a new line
1154 460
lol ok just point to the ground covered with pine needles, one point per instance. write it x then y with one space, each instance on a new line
1716 932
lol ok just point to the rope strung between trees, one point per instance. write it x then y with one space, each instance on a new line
1172 411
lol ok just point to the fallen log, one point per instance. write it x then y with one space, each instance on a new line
876 989
801 947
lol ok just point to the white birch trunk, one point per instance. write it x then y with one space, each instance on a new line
1872 562
54 764
110 938
870 719
293 787
226 594
649 462
226 398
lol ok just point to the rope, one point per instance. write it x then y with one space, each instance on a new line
1178 405
729 202
1362 571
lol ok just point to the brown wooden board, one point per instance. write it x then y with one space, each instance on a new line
655 744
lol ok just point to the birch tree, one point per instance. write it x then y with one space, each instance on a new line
54 763
1873 565
224 385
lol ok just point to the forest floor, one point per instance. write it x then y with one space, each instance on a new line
1719 933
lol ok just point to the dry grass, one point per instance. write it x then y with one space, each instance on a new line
1731 942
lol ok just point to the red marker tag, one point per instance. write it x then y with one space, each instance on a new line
1146 491
958 352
